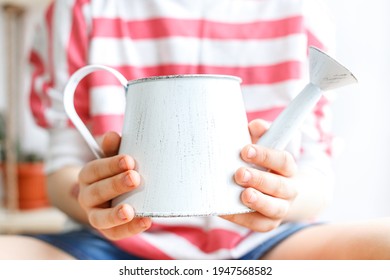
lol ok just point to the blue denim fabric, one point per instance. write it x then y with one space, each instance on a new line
86 244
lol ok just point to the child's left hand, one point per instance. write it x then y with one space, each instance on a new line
269 193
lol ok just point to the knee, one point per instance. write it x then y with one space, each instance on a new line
372 241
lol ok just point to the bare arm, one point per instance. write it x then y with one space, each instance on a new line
63 188
314 194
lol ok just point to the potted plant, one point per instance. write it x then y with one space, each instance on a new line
30 176
31 182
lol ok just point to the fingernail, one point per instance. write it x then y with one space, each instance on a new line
252 197
143 223
122 214
123 164
246 177
128 179
134 177
251 153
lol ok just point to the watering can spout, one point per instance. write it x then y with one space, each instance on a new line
326 72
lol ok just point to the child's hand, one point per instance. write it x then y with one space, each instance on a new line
102 180
270 194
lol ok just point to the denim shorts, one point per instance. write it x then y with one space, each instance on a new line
86 244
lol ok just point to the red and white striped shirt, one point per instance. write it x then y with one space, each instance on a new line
264 42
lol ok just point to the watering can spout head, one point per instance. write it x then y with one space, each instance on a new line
327 73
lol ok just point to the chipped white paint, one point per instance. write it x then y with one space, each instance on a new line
186 133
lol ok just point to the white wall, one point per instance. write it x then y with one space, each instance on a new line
361 112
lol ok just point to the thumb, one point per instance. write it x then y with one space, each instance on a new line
110 143
257 128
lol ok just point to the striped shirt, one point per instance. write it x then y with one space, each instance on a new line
264 42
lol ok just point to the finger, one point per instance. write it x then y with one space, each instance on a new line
254 221
265 182
110 144
109 188
110 217
278 161
136 226
268 206
104 168
257 128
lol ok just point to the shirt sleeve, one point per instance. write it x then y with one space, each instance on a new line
60 48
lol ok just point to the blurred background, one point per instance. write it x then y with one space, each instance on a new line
360 115
361 112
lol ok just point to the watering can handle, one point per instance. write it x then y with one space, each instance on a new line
70 110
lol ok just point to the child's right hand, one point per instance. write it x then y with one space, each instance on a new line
102 180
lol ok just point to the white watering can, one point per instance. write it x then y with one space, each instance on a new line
186 133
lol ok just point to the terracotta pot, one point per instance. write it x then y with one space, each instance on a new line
32 186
